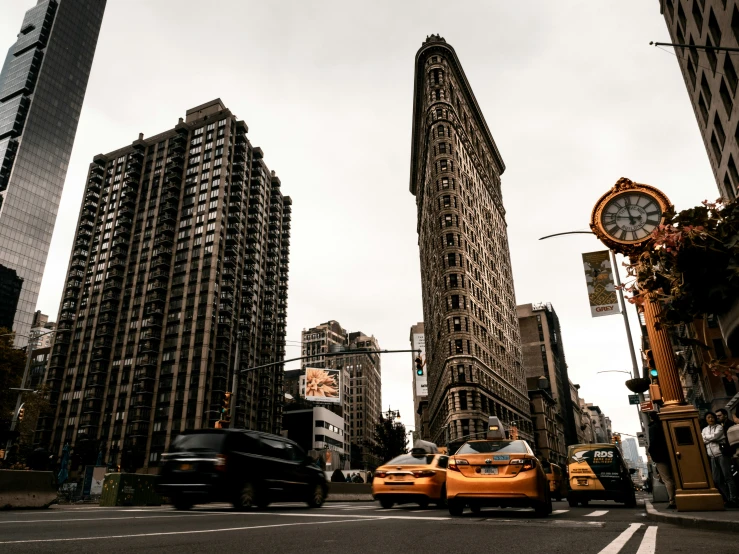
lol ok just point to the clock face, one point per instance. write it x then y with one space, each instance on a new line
631 216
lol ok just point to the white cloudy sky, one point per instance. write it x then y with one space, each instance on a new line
571 90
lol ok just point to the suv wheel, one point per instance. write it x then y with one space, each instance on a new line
246 498
181 503
318 497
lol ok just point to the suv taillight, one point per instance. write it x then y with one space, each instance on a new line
220 463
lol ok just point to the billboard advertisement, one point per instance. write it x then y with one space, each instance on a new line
601 288
418 343
322 385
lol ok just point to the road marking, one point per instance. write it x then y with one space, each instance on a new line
597 513
191 532
556 512
649 542
619 542
65 520
356 508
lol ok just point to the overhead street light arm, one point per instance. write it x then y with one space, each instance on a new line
325 355
614 371
696 46
568 233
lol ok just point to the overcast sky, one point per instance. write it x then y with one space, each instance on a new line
574 96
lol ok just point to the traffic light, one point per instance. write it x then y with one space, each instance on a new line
226 407
21 412
419 365
649 355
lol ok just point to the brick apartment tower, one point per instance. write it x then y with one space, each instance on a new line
472 338
182 246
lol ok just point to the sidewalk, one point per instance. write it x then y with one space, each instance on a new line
728 520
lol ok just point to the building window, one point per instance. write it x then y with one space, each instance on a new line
457 324
698 17
703 109
716 148
452 260
730 74
726 98
455 301
458 346
714 27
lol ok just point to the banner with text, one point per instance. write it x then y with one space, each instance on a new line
601 288
422 387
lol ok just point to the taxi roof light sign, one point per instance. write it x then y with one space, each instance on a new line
495 429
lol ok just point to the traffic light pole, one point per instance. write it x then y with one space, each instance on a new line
325 355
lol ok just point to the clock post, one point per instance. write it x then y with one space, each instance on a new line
624 219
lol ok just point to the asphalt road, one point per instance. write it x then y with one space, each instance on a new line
602 527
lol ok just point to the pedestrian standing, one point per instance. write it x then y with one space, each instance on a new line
714 437
661 456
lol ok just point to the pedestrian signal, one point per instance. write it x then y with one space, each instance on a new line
419 365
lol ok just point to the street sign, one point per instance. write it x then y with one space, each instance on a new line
633 399
641 439
646 406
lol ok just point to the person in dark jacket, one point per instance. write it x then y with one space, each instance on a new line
338 476
661 456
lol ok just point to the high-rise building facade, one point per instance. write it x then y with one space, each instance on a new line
544 356
180 259
42 87
361 377
471 331
630 451
711 78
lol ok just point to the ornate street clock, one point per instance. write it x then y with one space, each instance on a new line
626 216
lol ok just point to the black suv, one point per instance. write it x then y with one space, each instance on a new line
246 468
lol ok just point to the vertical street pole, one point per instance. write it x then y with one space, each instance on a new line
622 301
235 382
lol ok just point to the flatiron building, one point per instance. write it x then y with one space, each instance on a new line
473 345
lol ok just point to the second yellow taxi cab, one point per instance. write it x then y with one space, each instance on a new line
418 477
557 480
496 472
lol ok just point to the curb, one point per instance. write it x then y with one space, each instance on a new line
349 498
694 522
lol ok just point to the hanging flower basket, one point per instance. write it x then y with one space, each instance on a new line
638 385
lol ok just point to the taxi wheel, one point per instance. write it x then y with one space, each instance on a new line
456 508
423 503
475 508
386 503
572 502
542 509
441 503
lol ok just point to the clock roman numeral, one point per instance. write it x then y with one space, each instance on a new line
623 234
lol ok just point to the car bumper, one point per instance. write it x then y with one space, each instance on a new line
524 488
411 489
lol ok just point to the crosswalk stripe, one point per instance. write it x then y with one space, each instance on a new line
597 513
618 543
649 542
555 512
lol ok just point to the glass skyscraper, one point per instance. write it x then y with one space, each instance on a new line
42 86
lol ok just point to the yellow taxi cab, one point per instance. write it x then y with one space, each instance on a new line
556 479
418 477
496 472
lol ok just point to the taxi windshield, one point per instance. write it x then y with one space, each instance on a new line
484 447
411 460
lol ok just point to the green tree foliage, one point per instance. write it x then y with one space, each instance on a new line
693 263
390 439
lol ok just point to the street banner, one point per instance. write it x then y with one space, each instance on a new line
634 399
601 288
419 343
322 385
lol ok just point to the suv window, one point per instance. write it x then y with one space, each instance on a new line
275 449
198 442
294 453
241 442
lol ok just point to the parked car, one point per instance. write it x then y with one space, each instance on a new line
245 468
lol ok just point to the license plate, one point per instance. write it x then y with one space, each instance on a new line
185 467
489 470
399 477
582 482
